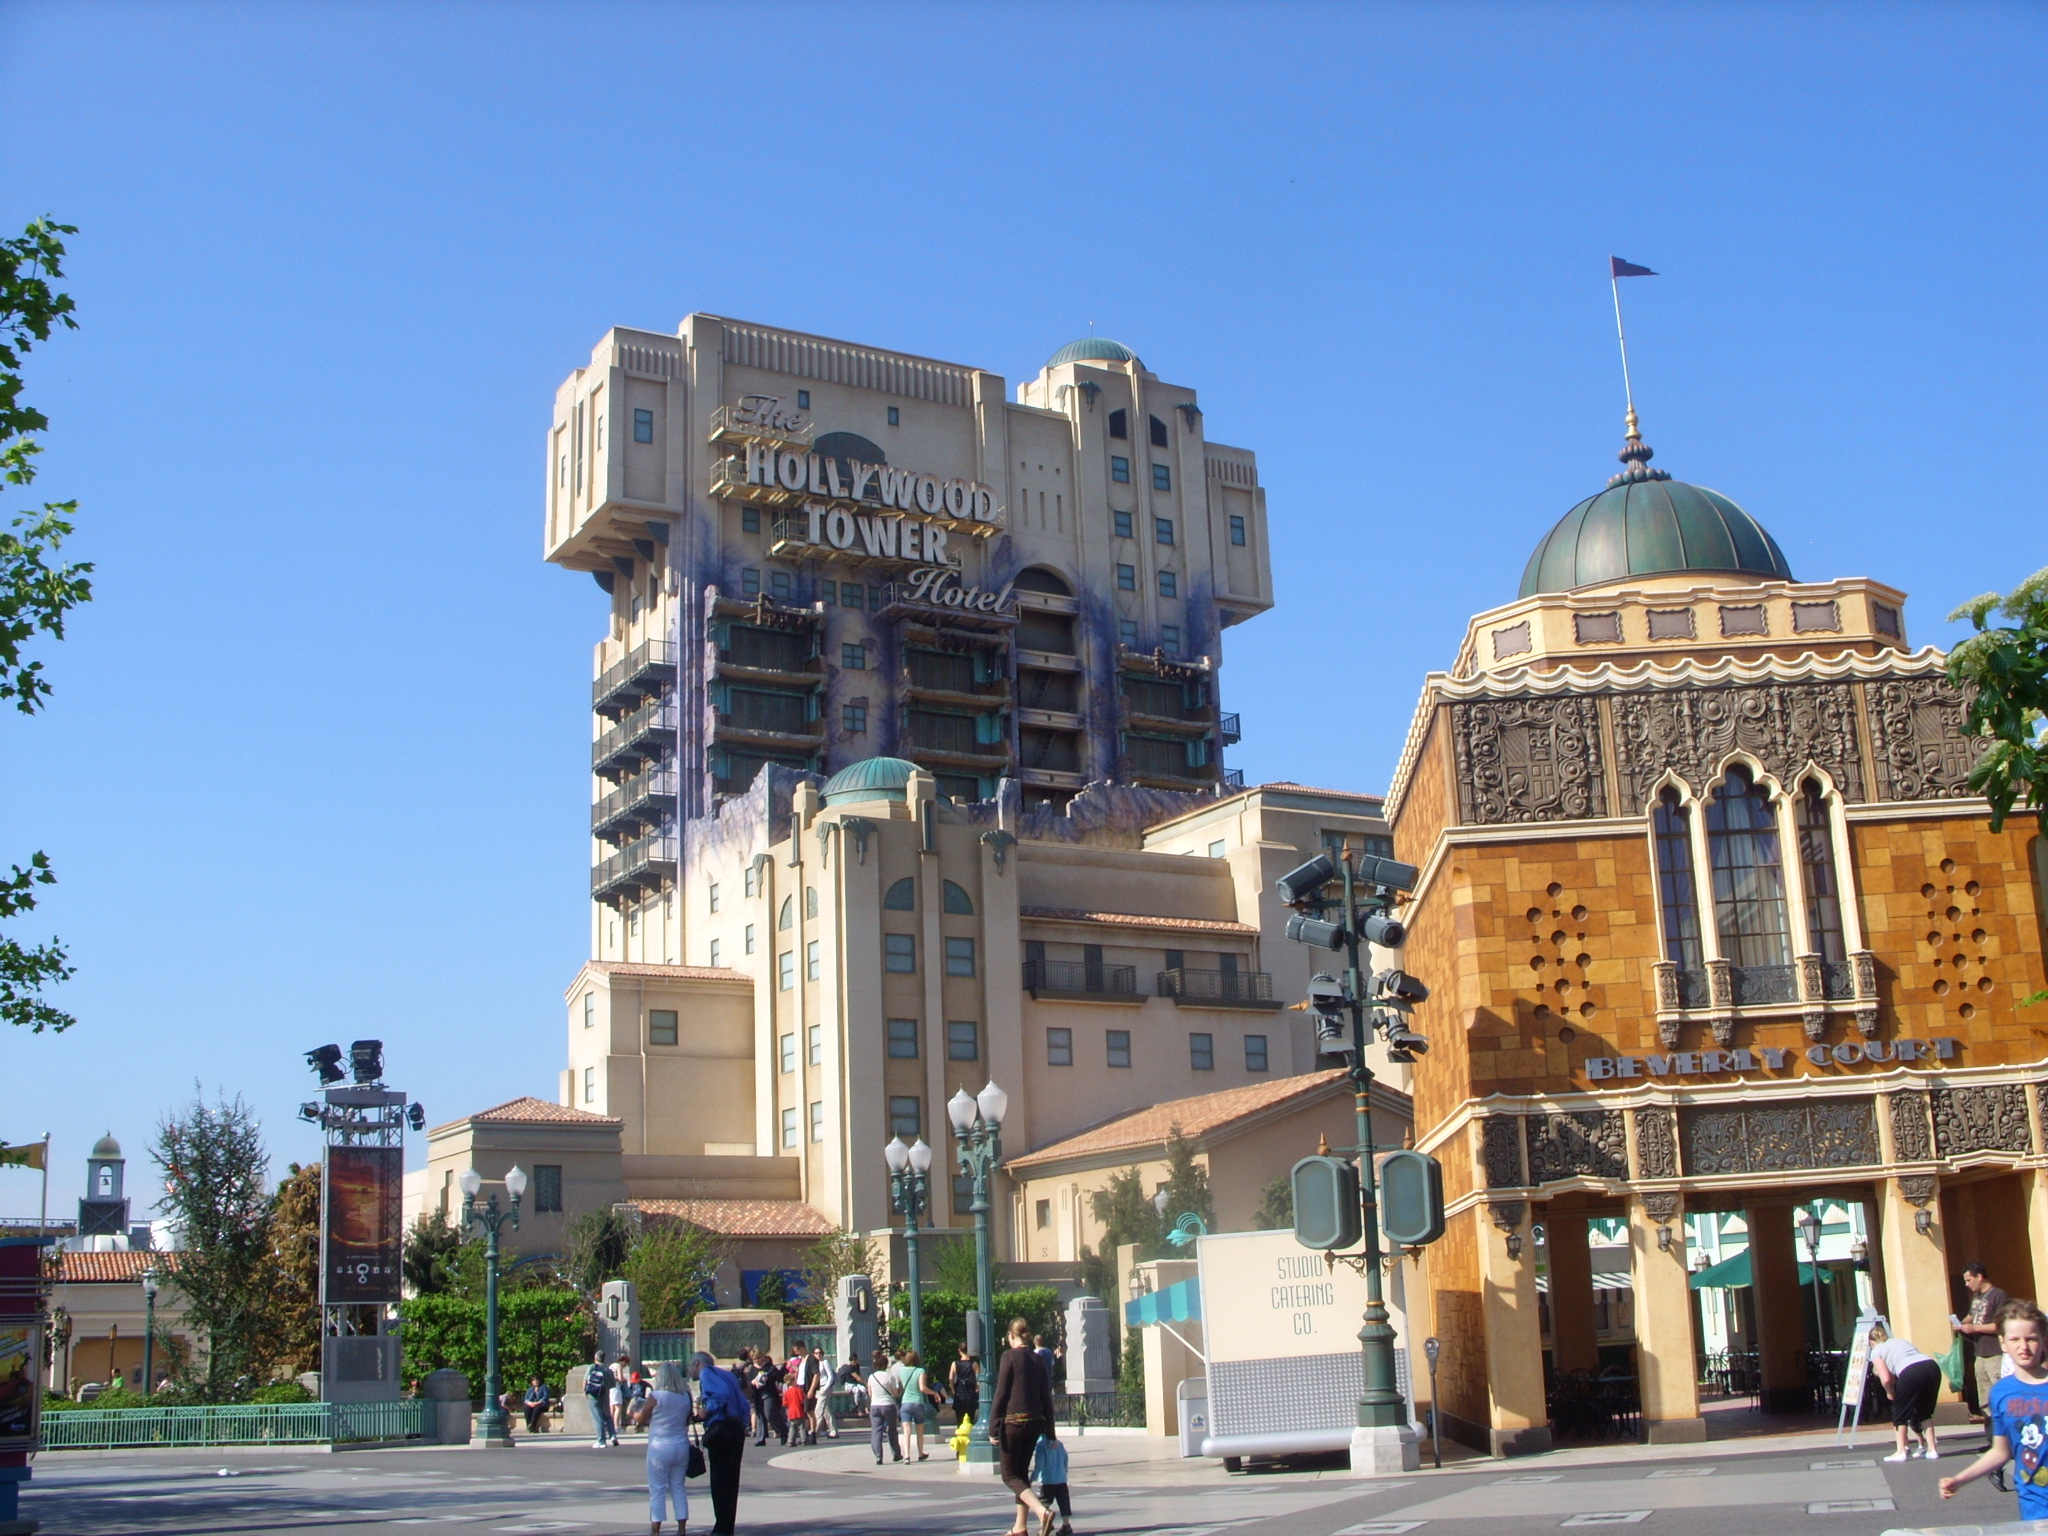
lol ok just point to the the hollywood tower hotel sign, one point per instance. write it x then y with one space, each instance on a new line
872 514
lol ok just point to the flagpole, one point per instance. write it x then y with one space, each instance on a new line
1627 388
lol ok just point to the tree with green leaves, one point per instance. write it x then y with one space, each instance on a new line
825 1263
36 589
673 1266
2004 670
950 1266
1187 1185
597 1246
213 1164
431 1258
1276 1206
294 1341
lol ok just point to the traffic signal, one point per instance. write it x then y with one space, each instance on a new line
1332 1010
1326 1208
1411 1198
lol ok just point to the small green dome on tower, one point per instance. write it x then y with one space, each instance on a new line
1092 349
873 778
1647 524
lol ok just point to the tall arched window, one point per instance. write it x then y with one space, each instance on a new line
787 917
1749 879
1675 883
1817 864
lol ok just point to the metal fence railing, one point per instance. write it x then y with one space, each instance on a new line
83 1429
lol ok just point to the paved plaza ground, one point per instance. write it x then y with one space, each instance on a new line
1124 1485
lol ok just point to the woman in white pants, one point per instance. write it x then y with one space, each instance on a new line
665 1414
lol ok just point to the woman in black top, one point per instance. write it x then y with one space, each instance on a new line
1021 1414
965 1387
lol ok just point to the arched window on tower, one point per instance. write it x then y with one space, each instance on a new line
1749 890
1680 897
901 897
1823 889
786 918
106 1184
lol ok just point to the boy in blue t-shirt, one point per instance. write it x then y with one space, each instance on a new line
2018 1413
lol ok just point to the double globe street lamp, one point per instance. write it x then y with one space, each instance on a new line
910 1189
978 1127
493 1428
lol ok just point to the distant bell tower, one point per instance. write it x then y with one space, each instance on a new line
103 1213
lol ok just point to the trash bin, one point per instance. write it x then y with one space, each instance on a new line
1192 1399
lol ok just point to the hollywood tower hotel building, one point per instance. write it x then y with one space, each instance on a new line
909 693
1719 931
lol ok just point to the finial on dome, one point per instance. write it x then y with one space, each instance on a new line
1636 455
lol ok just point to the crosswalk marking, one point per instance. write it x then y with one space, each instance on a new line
1608 1517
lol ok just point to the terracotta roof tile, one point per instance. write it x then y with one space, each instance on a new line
744 1218
532 1111
1135 920
1198 1117
120 1267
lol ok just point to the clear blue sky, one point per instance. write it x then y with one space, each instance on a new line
316 764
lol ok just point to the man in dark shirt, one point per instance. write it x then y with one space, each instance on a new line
1980 1330
723 1402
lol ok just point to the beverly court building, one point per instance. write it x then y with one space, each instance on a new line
1718 932
907 756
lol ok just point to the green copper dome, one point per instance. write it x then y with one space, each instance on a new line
873 778
1647 524
1092 349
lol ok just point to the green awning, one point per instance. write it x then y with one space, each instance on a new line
1733 1273
1179 1303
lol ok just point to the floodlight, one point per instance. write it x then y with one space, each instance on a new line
326 1060
1313 930
416 1116
366 1060
1390 873
1299 884
1387 932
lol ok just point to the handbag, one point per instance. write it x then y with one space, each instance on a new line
1955 1365
694 1466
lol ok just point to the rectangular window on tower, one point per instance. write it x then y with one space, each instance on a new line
590 1085
1041 1214
814 1045
1162 530
903 1039
661 1026
959 957
1059 1047
811 961
786 1052
803 399
1120 469
748 936
781 584
853 718
1119 1047
750 581
1169 584
1255 1053
1122 522
1127 631
852 657
1237 529
963 1194
1120 424
750 520
1169 639
643 426
789 1127
817 1120
713 958
1127 578
714 896
547 1189
906 1116
963 1040
899 953
1202 1052
1162 478
785 971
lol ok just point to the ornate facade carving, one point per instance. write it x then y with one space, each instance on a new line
1508 1214
1783 725
1589 1143
1660 1208
1917 740
1656 1143
1912 1141
1990 1119
1755 1138
1528 760
1500 1143
1918 1188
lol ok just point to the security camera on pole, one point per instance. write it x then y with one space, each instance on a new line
1336 1205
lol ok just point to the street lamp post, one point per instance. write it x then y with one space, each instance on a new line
492 1428
1809 1232
910 1189
149 1284
978 1127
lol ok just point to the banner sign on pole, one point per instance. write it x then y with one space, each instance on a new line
365 1227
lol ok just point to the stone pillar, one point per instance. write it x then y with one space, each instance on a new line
1781 1308
1574 1345
1666 1366
1520 1416
1916 1282
1170 1357
2037 1220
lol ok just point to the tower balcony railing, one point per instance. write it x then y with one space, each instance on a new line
1082 979
646 669
1233 778
1231 729
646 734
748 424
646 798
647 863
1218 989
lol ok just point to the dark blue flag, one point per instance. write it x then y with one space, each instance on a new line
1616 267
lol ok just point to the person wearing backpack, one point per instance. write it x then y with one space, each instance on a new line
597 1386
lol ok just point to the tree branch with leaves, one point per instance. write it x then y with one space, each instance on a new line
36 589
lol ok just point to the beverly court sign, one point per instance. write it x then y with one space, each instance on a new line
1849 1053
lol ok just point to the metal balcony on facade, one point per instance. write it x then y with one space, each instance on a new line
647 799
1230 729
647 669
1218 989
727 426
1811 987
646 864
1082 981
643 736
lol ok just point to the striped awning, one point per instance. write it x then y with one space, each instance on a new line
1178 1303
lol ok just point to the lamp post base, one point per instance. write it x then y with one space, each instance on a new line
1385 1450
492 1431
